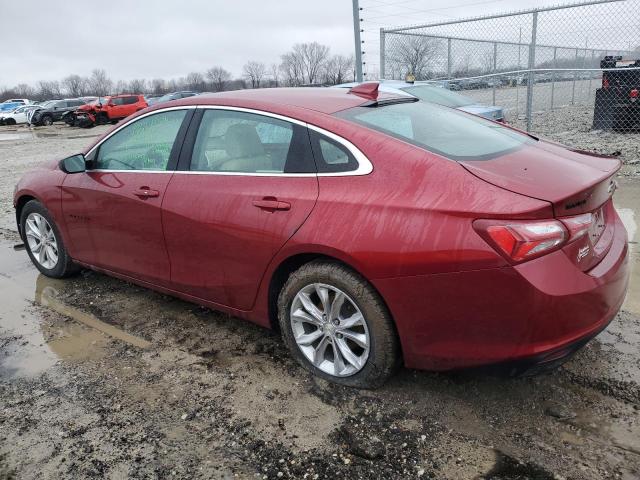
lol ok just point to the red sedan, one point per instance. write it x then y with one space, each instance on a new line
369 228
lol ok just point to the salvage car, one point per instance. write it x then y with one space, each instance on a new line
437 93
109 109
55 111
371 229
18 116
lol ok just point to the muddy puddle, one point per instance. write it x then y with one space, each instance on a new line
25 133
38 329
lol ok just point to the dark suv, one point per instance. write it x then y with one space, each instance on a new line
55 110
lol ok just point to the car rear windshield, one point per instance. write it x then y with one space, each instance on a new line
442 130
439 95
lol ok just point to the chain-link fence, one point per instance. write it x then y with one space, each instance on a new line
578 58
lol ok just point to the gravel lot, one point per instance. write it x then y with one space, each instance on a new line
102 379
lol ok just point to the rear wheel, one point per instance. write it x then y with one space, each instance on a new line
336 325
43 242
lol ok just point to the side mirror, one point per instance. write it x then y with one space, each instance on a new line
74 164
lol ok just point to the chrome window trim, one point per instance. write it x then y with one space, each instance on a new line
131 122
365 167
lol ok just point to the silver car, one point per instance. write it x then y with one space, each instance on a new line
436 93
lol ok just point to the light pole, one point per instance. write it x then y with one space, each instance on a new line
358 42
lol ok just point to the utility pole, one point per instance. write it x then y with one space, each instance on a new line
358 42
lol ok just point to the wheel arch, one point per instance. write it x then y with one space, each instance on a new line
292 263
20 203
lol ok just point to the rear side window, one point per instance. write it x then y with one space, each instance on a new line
241 142
441 130
331 156
130 100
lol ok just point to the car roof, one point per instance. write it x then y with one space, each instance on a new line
323 100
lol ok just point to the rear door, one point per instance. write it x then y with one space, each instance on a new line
113 210
245 184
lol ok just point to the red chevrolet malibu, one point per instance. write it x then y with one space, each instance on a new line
370 229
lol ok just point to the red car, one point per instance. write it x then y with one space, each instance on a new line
369 228
108 109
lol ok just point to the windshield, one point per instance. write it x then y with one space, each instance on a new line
100 100
48 104
439 95
447 132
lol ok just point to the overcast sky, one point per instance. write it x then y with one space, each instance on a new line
168 39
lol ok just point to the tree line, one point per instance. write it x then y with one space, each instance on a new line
306 64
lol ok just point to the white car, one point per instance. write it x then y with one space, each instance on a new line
18 116
23 101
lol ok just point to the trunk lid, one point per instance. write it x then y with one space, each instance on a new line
574 182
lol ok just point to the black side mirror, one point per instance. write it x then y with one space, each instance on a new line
74 164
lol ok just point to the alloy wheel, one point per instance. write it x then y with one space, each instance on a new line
330 330
41 240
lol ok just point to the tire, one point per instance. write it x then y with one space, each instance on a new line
377 358
70 119
102 119
10 121
33 213
46 120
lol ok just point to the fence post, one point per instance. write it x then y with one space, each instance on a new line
575 72
532 65
591 74
553 77
382 54
495 68
448 58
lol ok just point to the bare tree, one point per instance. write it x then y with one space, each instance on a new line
254 72
292 69
48 90
100 85
74 85
274 71
414 55
195 81
219 78
24 91
338 69
314 57
158 86
138 86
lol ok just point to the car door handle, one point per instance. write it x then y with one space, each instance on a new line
271 204
146 192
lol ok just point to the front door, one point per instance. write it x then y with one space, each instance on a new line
113 210
250 185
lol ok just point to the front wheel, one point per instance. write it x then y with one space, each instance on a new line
43 242
47 120
337 326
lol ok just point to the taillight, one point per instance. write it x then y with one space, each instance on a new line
633 94
522 240
578 226
605 82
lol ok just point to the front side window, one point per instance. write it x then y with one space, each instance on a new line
144 144
241 142
445 131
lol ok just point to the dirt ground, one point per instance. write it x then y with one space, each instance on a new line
102 379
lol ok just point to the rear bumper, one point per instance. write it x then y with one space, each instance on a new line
529 312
